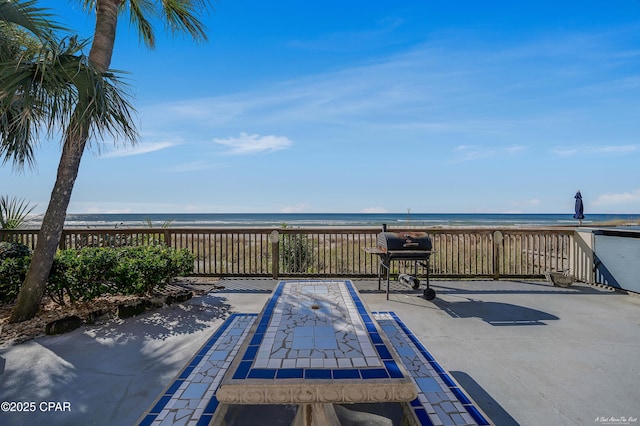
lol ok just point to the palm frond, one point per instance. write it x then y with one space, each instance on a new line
180 16
140 14
14 212
27 15
57 89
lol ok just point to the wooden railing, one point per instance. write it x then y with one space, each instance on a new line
336 251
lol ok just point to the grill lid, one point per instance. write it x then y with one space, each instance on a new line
403 241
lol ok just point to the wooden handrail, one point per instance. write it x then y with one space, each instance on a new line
339 251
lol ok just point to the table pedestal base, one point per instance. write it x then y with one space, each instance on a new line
316 415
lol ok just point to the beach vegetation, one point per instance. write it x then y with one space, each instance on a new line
81 275
67 89
164 225
296 253
14 212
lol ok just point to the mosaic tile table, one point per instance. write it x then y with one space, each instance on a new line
315 344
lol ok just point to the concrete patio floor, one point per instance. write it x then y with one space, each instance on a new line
528 353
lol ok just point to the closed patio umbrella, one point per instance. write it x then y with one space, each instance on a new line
579 214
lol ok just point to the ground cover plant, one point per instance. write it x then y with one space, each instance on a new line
81 275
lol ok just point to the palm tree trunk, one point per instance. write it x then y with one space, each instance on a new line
35 283
104 35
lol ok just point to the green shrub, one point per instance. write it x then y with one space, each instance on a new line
14 262
13 250
82 274
91 272
12 273
141 269
296 253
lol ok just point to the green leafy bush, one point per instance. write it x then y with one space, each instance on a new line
91 272
296 253
13 250
12 273
82 274
14 262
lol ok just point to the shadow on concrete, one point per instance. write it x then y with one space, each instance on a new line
109 373
371 414
247 415
490 406
243 290
495 313
531 288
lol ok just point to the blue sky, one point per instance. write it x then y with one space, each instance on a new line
366 106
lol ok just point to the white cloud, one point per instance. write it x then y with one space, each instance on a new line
618 198
298 208
598 150
102 210
141 148
374 210
615 149
252 144
565 152
474 152
515 149
469 153
533 202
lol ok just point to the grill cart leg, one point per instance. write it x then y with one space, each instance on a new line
387 266
384 265
428 293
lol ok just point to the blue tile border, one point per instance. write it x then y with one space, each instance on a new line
389 367
416 404
166 396
422 411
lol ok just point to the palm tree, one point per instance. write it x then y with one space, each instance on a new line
49 84
14 212
87 118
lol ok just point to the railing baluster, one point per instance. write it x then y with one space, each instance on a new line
340 251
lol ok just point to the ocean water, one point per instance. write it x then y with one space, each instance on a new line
278 220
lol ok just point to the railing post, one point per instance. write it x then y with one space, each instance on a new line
497 242
63 240
275 253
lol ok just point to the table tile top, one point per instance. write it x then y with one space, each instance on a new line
315 342
191 399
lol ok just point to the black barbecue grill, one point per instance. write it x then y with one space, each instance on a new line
404 246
